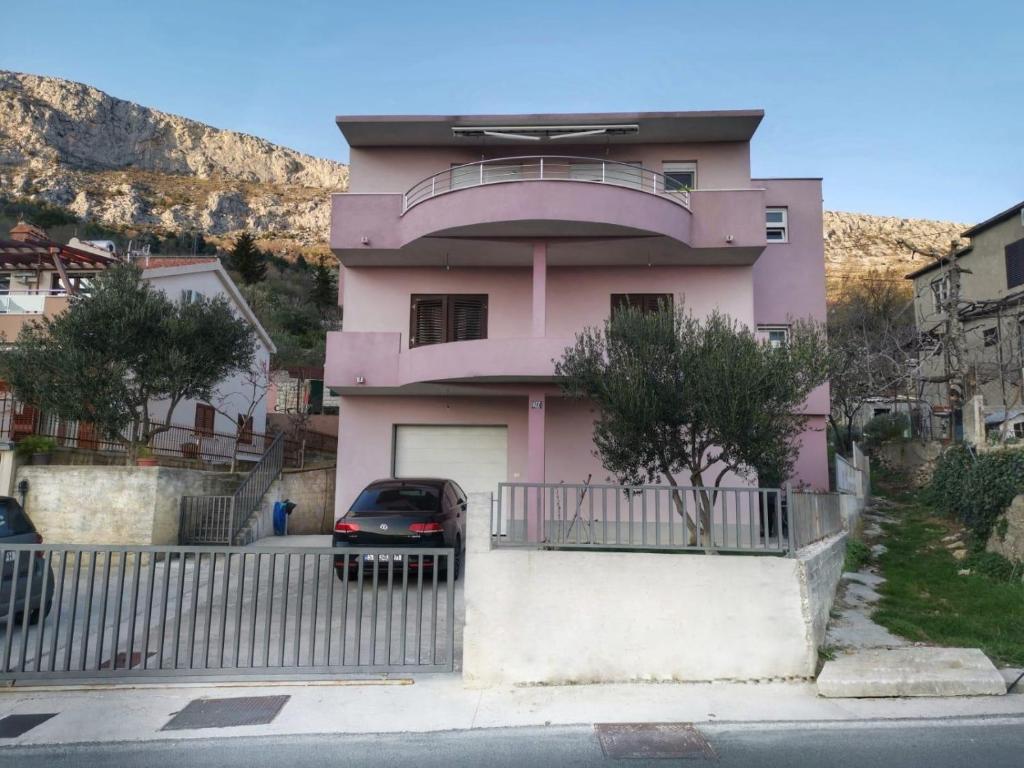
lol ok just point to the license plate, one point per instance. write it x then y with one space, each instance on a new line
9 557
382 558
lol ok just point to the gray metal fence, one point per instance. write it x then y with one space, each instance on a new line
109 611
816 516
640 517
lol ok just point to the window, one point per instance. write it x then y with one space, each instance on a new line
777 335
5 284
990 336
776 225
645 302
680 176
244 428
440 318
397 498
880 411
190 296
940 293
1015 264
1018 430
80 282
205 417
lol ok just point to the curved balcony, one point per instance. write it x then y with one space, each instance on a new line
546 168
368 361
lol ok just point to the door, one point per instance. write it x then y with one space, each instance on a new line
474 457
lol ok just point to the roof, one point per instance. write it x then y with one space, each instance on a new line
652 128
998 218
38 255
173 267
938 263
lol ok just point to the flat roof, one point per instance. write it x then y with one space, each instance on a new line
653 128
999 217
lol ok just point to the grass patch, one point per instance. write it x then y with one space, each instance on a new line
858 555
924 599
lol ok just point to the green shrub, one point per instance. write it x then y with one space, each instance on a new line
35 444
857 555
976 490
994 566
886 427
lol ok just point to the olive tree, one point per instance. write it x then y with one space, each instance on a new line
122 346
688 400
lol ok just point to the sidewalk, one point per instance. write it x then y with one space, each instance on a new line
441 703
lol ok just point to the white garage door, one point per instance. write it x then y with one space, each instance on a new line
474 457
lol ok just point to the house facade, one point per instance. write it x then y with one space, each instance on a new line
36 277
978 297
474 248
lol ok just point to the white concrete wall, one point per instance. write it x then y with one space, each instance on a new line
584 617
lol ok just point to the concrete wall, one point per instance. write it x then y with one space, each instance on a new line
312 490
1009 541
556 617
114 505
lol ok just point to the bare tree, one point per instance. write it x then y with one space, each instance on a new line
240 405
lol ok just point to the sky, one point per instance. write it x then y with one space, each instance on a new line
910 109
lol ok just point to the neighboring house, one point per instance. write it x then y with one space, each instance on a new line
986 280
918 413
36 274
474 248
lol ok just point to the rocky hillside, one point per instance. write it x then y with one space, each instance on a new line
859 245
128 166
114 161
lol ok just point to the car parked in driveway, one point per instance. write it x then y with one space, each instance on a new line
405 513
23 571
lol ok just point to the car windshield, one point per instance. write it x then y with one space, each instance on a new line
13 521
403 498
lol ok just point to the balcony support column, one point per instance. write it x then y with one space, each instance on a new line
540 289
535 460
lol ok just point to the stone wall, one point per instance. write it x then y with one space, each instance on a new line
114 505
1009 541
564 617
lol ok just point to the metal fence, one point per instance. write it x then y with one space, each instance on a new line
660 518
18 420
222 519
109 611
816 516
653 517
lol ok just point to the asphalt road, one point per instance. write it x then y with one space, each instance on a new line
918 744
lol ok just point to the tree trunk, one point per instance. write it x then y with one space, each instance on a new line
678 502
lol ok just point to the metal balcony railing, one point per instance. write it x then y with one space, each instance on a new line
547 168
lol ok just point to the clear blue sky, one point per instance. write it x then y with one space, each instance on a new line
905 108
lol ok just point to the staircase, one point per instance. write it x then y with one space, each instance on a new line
234 520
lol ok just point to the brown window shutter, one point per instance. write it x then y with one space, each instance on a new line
468 317
205 416
645 302
427 320
245 428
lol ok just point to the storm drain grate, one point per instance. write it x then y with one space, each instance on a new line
653 741
227 713
13 726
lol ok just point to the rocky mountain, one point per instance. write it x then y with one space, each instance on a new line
129 166
123 164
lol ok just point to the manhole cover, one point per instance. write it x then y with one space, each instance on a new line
226 713
653 741
13 726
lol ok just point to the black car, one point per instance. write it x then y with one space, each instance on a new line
413 513
17 528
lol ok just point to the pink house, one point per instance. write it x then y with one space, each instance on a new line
473 248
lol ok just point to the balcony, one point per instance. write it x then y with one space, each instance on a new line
588 210
17 308
546 168
365 361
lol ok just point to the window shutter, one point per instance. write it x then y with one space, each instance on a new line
645 302
205 415
1015 264
245 428
427 321
468 318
